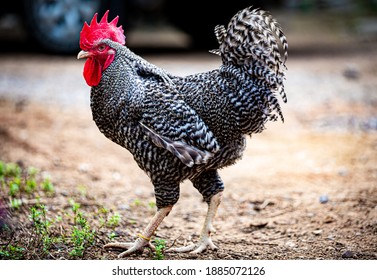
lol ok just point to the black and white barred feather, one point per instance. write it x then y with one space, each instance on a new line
251 48
250 41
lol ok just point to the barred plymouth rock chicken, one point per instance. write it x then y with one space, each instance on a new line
180 128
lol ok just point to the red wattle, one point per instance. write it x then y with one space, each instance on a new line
92 72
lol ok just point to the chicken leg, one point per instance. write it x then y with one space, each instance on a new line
144 238
205 236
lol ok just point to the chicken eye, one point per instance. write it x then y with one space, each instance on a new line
101 48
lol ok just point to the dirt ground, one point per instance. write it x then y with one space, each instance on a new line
305 189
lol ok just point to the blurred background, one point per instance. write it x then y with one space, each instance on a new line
53 26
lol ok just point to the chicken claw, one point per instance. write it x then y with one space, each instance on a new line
129 247
205 237
143 240
204 243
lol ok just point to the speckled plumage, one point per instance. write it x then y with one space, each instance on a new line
181 128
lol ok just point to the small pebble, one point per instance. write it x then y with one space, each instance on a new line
351 72
84 167
116 176
329 219
347 255
290 244
323 199
318 232
330 237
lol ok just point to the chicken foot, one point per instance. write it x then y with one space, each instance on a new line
143 240
205 236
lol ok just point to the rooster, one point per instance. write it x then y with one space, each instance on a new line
180 128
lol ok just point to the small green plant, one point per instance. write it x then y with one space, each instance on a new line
11 252
47 186
103 210
15 203
2 168
30 185
160 245
58 219
15 182
82 236
74 205
101 214
14 186
38 217
152 204
112 235
30 181
137 202
41 225
32 171
114 220
49 234
12 170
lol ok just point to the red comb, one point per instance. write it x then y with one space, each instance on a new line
96 31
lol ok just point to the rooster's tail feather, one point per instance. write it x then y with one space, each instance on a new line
255 42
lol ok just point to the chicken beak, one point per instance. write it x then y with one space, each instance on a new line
83 54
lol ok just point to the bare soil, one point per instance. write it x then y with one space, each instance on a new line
305 189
